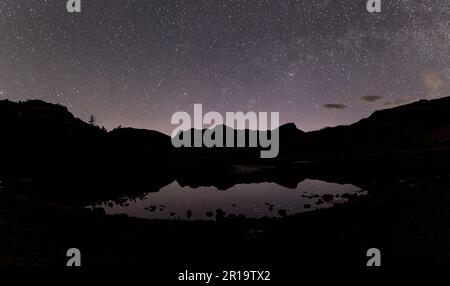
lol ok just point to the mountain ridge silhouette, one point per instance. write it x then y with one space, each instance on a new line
44 147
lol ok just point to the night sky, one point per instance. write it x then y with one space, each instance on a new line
134 63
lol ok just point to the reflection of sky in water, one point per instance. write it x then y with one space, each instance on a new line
252 200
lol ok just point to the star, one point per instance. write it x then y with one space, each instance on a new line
138 62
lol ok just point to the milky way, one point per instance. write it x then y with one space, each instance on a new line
135 63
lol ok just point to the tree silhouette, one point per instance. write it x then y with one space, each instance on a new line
92 120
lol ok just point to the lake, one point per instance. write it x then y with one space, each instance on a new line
250 200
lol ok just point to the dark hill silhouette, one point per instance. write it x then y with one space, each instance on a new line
287 134
140 138
48 153
36 133
35 117
44 148
422 124
406 137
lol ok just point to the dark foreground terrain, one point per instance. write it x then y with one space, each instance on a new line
405 216
402 162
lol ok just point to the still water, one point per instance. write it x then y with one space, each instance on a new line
250 200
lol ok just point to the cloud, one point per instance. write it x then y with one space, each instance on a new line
371 98
432 80
334 106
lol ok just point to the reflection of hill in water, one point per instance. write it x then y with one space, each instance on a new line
400 156
242 200
291 173
45 150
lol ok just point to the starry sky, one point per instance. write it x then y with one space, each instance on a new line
134 62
